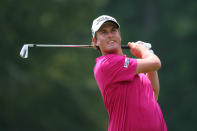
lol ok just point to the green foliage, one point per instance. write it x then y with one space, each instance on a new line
54 89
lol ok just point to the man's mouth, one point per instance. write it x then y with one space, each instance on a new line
111 42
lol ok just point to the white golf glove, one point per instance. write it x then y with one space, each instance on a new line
147 45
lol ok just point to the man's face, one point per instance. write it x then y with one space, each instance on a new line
108 38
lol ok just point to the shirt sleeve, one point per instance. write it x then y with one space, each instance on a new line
119 69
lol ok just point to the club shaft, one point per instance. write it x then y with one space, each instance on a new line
52 45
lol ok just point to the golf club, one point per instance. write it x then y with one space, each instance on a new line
24 50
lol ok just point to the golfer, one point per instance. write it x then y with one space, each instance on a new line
129 86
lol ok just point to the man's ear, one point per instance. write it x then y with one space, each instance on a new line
94 41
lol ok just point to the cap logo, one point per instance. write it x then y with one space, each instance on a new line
103 19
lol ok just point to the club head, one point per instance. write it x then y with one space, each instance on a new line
24 51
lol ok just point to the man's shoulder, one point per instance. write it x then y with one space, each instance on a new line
110 61
109 58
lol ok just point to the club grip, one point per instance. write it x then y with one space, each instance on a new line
125 47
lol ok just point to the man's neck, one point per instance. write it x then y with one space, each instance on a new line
118 52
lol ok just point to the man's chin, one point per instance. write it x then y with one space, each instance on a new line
112 48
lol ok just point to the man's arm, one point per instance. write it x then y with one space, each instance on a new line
153 77
148 63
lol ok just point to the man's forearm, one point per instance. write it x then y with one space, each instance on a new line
153 77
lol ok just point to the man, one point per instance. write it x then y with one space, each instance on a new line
130 96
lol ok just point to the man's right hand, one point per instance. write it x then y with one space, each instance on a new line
138 49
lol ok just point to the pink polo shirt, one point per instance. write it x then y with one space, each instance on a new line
128 98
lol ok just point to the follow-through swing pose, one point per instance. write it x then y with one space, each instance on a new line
129 86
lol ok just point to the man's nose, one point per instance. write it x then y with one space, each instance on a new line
110 34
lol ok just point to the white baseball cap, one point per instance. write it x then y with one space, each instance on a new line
98 22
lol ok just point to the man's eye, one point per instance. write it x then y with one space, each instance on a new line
113 30
103 31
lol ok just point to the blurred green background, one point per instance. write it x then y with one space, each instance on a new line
55 90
